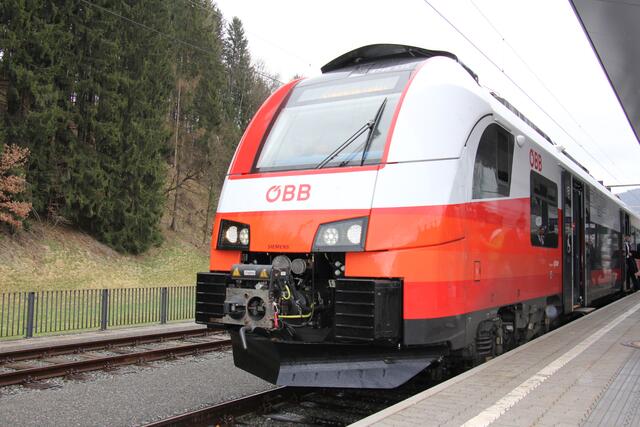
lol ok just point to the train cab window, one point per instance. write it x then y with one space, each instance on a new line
544 211
333 122
492 169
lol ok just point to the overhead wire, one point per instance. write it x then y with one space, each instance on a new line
167 36
492 62
555 98
633 195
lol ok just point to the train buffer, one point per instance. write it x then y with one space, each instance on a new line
585 373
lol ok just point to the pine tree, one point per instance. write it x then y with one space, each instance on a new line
35 114
135 199
93 91
239 73
104 103
88 95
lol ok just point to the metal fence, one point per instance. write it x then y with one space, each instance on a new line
36 313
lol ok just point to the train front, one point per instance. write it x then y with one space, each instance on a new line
294 209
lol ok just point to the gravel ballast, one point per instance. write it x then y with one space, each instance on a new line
132 395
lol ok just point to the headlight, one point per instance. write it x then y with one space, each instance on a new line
244 236
330 236
354 234
341 236
233 235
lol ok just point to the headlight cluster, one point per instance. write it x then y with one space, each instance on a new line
233 235
341 236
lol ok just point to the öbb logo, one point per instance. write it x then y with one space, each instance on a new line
535 160
288 193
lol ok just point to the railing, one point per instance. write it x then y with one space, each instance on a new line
44 312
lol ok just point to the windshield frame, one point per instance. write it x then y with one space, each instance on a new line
395 92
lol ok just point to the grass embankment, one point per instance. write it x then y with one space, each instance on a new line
53 257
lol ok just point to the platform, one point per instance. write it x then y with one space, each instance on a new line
92 336
584 373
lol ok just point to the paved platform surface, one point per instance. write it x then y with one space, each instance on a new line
46 341
584 373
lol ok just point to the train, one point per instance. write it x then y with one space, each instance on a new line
392 214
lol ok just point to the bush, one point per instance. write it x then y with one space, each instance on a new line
12 211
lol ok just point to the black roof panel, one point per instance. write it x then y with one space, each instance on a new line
375 52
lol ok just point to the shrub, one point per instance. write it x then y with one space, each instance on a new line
12 211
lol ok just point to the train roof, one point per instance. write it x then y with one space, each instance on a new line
387 52
397 54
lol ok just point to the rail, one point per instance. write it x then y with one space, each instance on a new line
35 364
26 314
224 413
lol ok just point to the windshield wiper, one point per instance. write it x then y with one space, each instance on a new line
372 131
345 144
370 125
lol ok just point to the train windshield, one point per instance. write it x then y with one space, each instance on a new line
333 123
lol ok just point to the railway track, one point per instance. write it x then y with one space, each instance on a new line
225 413
297 406
26 366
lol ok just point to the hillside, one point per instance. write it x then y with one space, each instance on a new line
51 256
58 257
130 144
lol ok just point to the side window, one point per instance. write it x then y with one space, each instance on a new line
492 169
544 211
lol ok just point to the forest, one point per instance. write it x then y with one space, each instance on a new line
113 109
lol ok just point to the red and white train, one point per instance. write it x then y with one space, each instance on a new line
393 212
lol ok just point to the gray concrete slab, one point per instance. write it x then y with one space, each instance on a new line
49 340
580 374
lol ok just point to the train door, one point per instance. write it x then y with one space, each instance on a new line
574 287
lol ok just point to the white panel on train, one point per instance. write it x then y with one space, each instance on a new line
438 112
351 190
419 184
